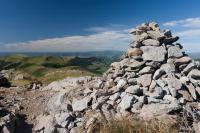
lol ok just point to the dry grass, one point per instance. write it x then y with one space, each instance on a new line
136 126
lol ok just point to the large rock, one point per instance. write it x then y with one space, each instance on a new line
63 119
145 80
134 90
157 35
174 83
80 105
150 111
175 51
151 42
141 37
45 123
153 53
170 40
127 102
195 74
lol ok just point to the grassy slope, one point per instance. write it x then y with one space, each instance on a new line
50 68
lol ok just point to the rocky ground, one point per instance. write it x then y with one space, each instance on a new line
154 80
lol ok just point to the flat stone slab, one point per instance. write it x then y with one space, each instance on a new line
153 53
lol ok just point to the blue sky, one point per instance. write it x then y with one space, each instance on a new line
85 25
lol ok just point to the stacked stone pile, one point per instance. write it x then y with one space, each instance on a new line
154 78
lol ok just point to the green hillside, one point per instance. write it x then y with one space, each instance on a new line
50 68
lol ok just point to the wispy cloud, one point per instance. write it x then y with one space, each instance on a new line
109 27
104 40
189 32
189 22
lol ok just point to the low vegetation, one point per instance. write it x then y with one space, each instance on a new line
136 126
51 68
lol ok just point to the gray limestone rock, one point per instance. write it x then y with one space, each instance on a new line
153 53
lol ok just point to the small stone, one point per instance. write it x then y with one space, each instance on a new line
136 107
185 94
145 80
182 100
132 81
169 98
158 74
115 96
174 51
183 60
62 130
146 70
170 40
123 94
167 33
134 90
153 53
63 118
169 67
195 74
192 91
188 68
196 126
141 37
184 80
173 92
152 86
158 93
71 125
115 65
154 26
151 42
198 90
161 83
153 64
121 83
153 100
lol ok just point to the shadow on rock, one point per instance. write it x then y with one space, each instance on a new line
22 126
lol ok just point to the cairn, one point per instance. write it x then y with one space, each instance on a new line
154 78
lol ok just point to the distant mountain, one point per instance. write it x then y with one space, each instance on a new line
54 67
109 53
195 55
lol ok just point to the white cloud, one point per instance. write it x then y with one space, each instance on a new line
110 27
189 22
189 34
106 40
